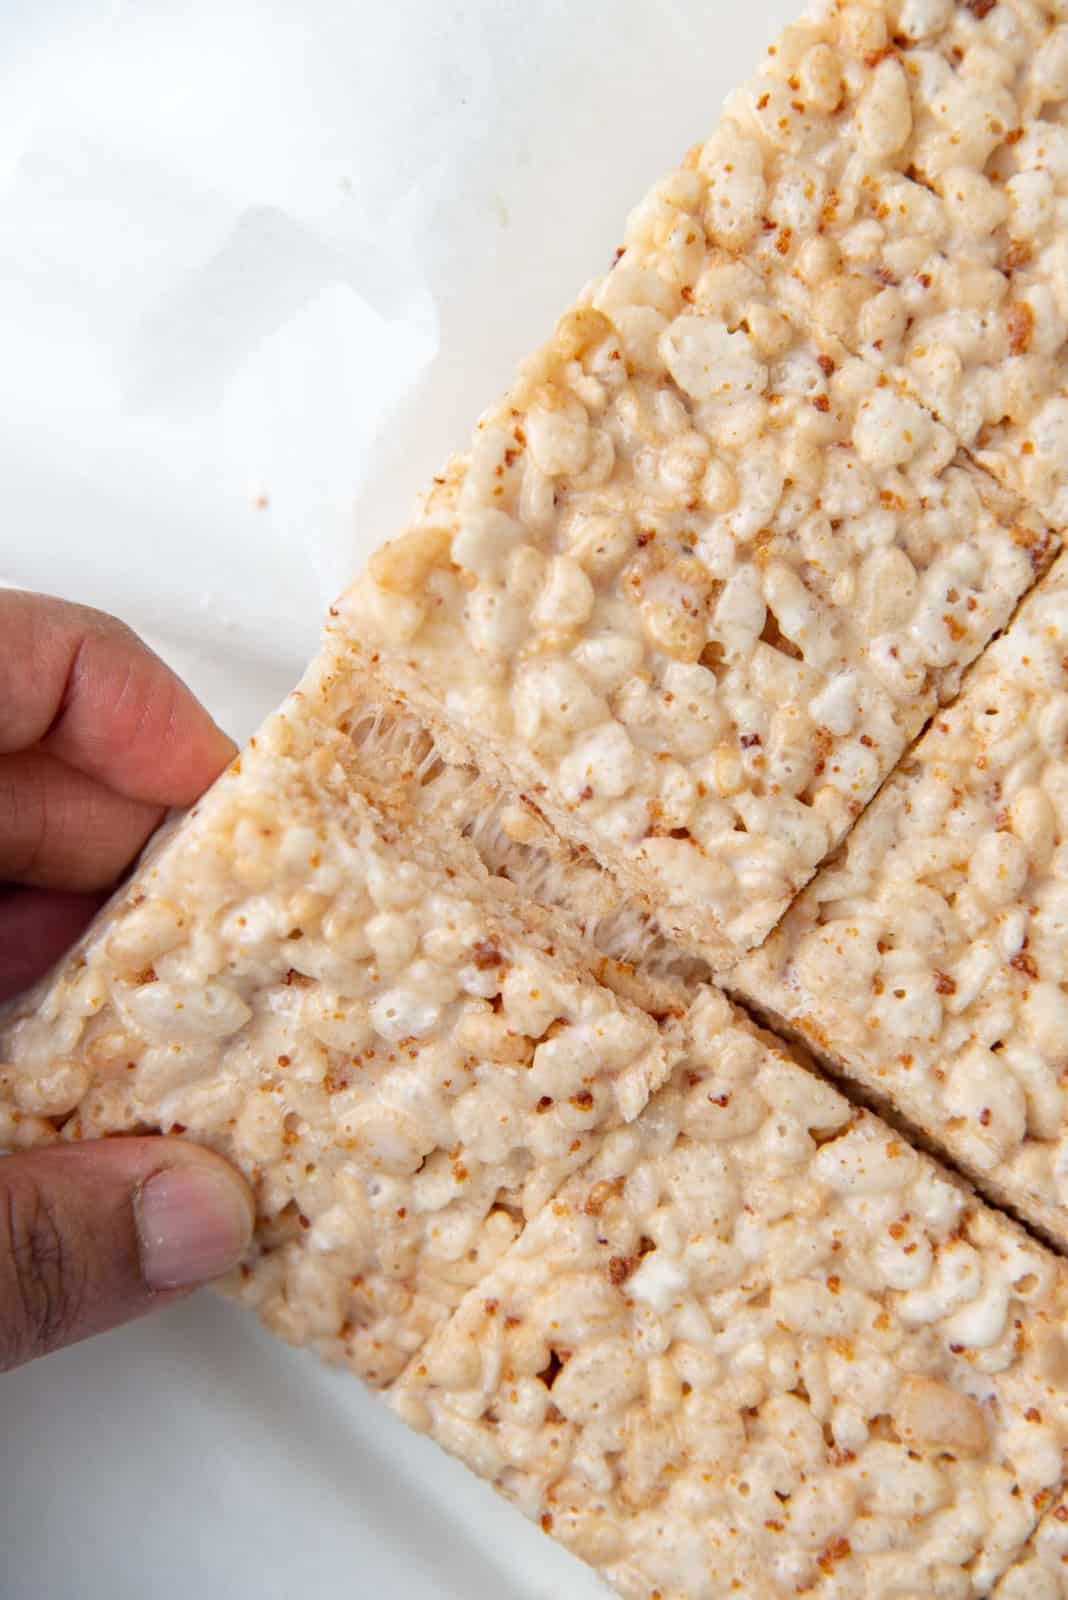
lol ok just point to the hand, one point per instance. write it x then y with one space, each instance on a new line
97 740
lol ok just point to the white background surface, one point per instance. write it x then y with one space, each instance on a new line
282 250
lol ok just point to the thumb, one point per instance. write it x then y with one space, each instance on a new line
96 1234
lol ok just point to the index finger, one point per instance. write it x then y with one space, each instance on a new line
88 690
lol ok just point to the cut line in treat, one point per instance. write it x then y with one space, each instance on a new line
927 961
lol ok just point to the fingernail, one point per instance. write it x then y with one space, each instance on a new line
194 1225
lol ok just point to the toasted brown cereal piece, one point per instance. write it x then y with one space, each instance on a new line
929 960
402 1061
760 1345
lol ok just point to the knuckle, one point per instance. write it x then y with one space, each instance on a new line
42 1285
145 699
24 822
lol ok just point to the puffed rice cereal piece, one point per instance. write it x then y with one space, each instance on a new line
761 1346
929 961
402 1062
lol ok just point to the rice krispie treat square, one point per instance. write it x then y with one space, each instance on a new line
900 171
929 960
700 581
402 1062
760 1346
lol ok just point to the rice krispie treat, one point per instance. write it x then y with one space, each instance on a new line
428 787
940 245
901 171
929 961
1041 1573
760 1346
700 581
402 1062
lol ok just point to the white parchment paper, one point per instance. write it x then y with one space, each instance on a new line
262 262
